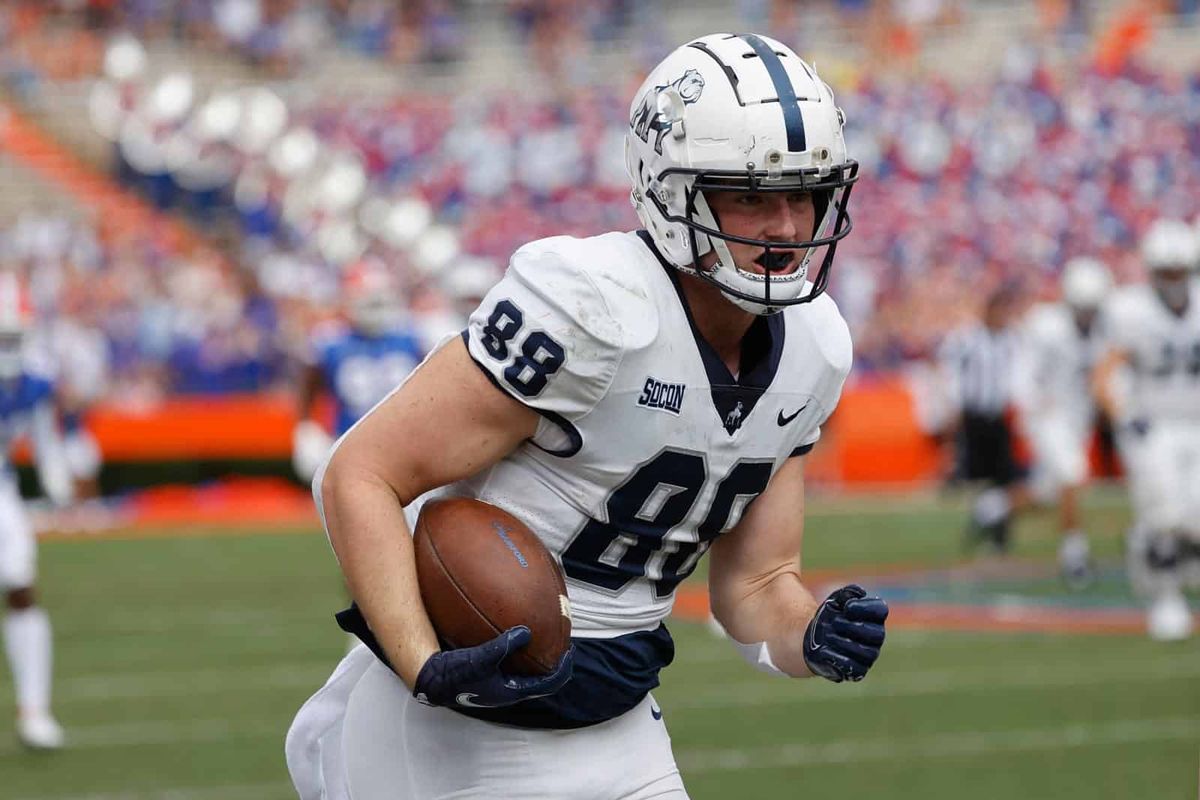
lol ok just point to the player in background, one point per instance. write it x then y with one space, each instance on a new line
976 365
457 293
26 410
1058 346
1149 385
638 399
358 363
76 354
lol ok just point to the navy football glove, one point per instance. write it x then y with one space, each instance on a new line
470 677
845 635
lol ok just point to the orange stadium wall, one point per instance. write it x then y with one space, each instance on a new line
873 438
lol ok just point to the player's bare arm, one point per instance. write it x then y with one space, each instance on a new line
754 578
446 423
758 595
1106 383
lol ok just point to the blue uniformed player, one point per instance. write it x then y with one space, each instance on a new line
358 364
26 410
638 400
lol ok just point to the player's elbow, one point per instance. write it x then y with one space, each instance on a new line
351 473
728 608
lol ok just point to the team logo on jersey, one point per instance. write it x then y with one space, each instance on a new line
666 396
649 117
733 420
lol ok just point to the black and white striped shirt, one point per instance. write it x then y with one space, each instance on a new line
977 362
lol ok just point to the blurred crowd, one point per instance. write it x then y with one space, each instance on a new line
63 39
131 318
965 190
966 187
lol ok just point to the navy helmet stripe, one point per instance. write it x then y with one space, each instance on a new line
784 91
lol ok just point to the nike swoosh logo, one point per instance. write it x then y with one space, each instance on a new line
782 420
655 711
468 699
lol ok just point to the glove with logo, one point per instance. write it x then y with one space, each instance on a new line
845 635
471 677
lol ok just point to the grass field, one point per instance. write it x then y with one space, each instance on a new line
180 662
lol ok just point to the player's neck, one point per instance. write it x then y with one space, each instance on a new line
722 324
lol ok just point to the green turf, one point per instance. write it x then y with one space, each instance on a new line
180 662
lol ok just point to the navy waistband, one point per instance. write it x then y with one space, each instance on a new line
610 677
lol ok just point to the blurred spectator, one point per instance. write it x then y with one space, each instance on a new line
964 188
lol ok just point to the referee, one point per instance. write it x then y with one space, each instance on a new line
976 362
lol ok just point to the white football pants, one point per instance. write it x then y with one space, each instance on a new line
1060 454
18 547
363 737
1164 476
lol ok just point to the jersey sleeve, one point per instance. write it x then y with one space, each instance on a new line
1124 319
546 336
837 351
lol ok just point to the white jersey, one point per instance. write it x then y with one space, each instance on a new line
76 356
1164 350
648 448
1054 365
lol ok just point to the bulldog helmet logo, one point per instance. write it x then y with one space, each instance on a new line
650 117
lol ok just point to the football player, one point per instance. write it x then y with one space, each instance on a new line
76 355
457 293
976 363
1057 349
26 409
638 399
1149 384
359 364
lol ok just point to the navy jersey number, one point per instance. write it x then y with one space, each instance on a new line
539 358
1177 360
658 496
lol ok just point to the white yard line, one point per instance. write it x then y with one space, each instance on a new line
932 682
963 744
164 732
181 683
911 683
958 744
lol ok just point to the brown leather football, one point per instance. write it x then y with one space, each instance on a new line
481 571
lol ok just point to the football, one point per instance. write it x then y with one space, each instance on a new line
481 571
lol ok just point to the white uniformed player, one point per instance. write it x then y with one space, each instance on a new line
637 399
26 409
1149 383
1059 345
77 357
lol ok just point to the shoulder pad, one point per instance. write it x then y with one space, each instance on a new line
553 331
828 329
614 265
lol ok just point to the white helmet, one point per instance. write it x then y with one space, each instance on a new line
1085 282
744 113
1170 245
1171 250
466 283
371 298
